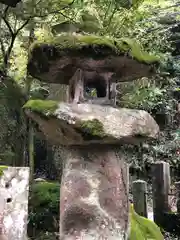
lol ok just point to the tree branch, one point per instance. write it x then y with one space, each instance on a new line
5 11
8 52
172 6
22 26
15 24
68 5
56 12
6 21
13 37
15 33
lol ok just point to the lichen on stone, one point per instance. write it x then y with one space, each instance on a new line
46 107
92 43
2 168
92 127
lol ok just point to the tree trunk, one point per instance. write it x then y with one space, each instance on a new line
94 194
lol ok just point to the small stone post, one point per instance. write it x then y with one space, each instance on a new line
139 190
161 187
2 228
14 190
177 185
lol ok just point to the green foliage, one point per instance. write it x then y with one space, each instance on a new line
38 91
137 52
44 207
155 95
45 236
42 106
45 193
146 95
2 168
11 122
18 63
143 228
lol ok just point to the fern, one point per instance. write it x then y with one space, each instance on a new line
143 228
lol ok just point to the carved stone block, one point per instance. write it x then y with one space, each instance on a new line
14 190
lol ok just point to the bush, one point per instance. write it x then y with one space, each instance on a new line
44 208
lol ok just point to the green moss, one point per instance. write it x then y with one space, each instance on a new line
75 42
116 46
136 51
2 168
42 106
92 127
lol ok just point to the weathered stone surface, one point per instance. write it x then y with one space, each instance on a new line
94 194
14 190
79 124
62 70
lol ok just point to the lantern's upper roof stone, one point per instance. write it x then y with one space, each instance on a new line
57 59
82 124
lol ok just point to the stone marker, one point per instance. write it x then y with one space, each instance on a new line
14 190
139 190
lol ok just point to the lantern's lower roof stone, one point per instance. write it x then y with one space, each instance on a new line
56 59
82 124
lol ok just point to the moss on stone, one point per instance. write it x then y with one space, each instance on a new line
136 51
92 127
2 168
69 43
45 107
